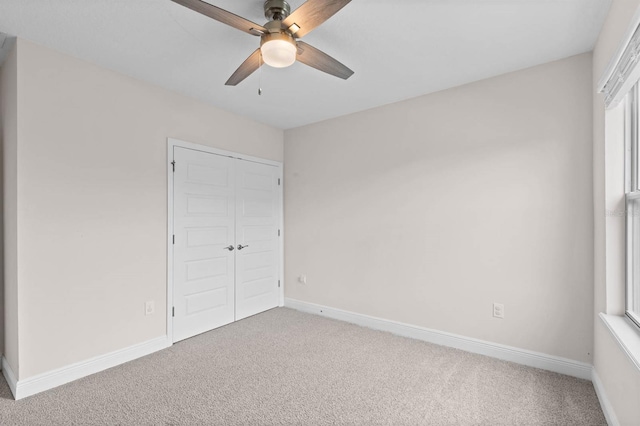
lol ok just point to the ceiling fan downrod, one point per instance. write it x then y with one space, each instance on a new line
276 10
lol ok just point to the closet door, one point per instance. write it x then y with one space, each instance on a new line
204 249
257 242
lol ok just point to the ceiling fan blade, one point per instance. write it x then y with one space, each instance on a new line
319 60
223 16
311 14
250 64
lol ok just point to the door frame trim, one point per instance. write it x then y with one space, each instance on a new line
171 144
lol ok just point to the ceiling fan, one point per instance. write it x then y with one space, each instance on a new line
280 44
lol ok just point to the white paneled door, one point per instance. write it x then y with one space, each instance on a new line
204 229
226 213
257 220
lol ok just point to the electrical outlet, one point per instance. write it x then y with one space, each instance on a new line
498 310
302 279
149 307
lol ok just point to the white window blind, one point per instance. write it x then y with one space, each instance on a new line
624 70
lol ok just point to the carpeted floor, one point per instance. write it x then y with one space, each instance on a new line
285 367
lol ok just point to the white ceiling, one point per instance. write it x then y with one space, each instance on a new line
398 49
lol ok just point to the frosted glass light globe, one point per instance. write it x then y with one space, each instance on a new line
279 53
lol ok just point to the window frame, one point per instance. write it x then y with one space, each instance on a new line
632 193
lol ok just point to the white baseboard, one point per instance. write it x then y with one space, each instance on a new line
9 375
51 379
607 408
495 350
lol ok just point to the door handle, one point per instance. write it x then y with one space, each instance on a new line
240 246
230 248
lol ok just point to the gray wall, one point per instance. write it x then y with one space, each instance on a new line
93 202
429 210
9 118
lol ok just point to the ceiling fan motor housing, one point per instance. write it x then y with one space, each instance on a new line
276 10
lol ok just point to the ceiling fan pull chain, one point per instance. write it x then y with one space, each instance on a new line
260 75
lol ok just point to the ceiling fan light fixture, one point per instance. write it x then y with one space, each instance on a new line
279 38
278 50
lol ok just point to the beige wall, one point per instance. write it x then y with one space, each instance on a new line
9 136
620 378
93 170
429 210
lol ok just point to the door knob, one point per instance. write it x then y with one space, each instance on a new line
230 248
240 246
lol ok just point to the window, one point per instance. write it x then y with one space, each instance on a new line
632 190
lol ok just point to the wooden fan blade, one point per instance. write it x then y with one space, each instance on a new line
311 14
250 64
319 60
223 16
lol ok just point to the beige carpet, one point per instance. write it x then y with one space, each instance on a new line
286 367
